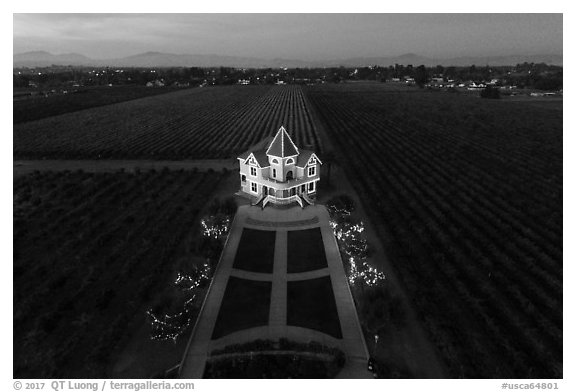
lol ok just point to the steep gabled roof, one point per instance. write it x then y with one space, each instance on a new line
244 155
282 146
261 158
304 157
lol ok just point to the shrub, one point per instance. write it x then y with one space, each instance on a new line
259 365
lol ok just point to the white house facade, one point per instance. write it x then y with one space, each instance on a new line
276 171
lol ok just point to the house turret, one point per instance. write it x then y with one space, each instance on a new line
282 155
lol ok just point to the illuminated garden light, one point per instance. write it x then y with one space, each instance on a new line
170 327
190 282
212 227
353 245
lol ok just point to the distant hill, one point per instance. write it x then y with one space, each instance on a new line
157 59
456 61
42 59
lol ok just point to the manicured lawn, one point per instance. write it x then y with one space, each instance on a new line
311 304
256 251
306 250
246 304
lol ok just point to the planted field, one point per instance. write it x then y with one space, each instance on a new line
246 304
37 107
216 122
467 196
90 250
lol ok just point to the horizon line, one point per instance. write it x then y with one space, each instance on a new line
433 57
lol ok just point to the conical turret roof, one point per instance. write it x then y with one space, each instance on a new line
282 145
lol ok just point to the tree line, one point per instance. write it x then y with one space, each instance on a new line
526 75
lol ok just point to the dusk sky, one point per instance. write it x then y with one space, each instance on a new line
292 36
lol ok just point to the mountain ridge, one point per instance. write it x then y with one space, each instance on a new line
159 59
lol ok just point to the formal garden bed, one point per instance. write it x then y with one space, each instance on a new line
282 344
246 304
311 304
256 251
275 359
306 250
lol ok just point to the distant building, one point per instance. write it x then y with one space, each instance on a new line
475 86
156 83
276 171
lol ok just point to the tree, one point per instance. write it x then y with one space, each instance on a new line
421 76
439 70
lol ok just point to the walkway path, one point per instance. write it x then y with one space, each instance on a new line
280 221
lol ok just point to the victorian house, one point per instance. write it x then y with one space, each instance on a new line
276 171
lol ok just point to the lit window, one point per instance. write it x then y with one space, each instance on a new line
311 171
253 171
254 187
311 187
